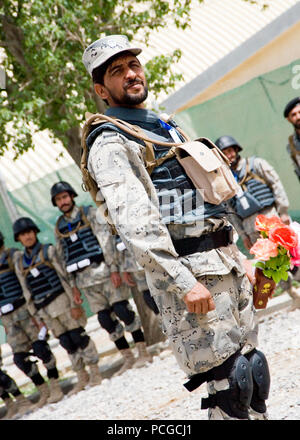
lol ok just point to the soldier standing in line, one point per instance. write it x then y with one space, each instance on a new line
292 114
261 192
22 329
193 270
88 251
9 390
50 298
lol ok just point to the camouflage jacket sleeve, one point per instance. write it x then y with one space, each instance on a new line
116 164
17 258
267 172
106 240
64 279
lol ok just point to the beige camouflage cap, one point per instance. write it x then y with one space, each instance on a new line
101 50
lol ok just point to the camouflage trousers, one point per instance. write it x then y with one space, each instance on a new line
21 333
20 329
103 297
203 341
58 319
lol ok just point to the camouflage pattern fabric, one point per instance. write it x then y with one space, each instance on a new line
117 165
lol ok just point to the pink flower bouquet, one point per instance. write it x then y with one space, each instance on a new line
276 252
278 249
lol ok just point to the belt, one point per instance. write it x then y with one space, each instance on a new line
206 242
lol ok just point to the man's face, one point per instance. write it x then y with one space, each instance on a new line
27 238
230 153
64 201
294 117
124 83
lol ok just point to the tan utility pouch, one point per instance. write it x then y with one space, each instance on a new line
208 168
202 160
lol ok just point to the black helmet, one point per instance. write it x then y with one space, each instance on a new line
290 105
23 224
226 142
60 187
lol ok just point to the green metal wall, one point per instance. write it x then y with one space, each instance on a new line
253 114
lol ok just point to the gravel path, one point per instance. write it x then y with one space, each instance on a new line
156 392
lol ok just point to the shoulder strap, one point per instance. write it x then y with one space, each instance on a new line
44 255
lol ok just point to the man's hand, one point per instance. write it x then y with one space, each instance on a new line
285 218
248 265
199 300
77 296
76 312
116 279
127 278
247 243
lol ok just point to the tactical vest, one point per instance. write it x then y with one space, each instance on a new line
41 278
80 245
257 194
10 288
179 201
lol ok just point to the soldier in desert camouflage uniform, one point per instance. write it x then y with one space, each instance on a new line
261 192
50 298
9 390
82 241
292 114
193 271
22 329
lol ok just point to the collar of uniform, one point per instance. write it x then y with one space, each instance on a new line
133 114
35 251
241 164
73 215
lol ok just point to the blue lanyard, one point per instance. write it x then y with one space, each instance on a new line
172 131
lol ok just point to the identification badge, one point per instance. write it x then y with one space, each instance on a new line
7 308
74 237
35 272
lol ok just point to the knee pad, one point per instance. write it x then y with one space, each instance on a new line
150 301
106 321
67 343
21 359
5 380
261 380
123 311
42 350
79 337
234 401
